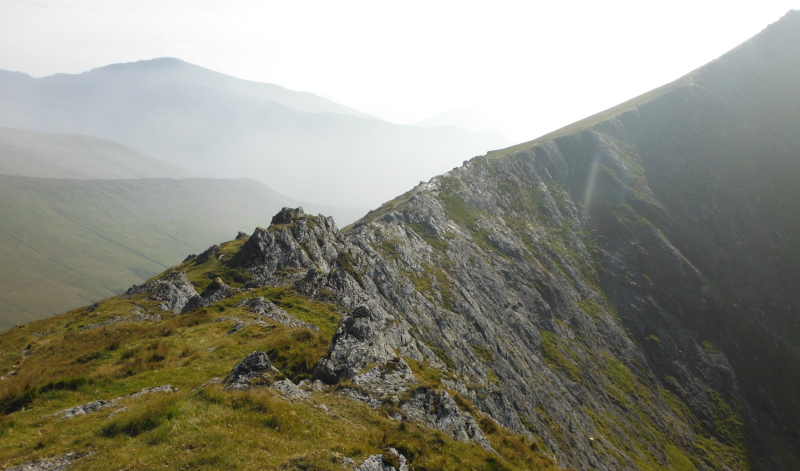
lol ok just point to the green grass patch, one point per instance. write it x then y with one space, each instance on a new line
708 347
322 314
591 308
433 240
553 356
728 420
140 422
225 265
483 353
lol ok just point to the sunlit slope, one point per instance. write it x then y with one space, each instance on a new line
46 155
67 243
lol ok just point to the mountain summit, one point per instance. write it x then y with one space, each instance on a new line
620 295
164 70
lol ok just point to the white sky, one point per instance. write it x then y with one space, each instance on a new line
533 65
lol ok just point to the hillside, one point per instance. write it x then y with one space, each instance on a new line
300 145
85 240
45 155
620 295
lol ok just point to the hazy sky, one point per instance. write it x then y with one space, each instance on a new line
534 66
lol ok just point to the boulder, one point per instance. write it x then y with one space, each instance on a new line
389 460
255 369
173 290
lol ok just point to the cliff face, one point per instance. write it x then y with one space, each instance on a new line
623 293
625 290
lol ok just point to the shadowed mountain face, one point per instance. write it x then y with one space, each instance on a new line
297 143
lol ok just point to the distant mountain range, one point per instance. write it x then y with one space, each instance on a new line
47 155
297 143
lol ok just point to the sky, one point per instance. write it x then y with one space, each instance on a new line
526 67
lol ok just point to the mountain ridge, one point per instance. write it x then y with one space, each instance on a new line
617 297
214 128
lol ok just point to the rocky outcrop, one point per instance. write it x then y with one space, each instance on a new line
289 390
86 408
358 342
98 405
389 460
266 309
138 316
295 244
54 463
177 294
438 410
173 290
255 369
216 291
513 317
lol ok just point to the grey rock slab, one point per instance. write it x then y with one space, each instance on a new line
289 390
215 292
263 307
173 290
253 368
54 463
385 462
86 409
437 409
357 343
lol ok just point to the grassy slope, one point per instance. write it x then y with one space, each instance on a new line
46 155
211 428
67 243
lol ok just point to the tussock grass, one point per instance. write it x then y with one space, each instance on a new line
211 428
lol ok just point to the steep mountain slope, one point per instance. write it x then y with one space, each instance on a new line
619 295
84 240
37 154
219 126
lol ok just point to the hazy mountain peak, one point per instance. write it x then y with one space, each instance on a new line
298 143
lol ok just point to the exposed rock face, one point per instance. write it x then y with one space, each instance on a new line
289 390
254 369
54 463
357 343
214 292
385 463
304 243
438 410
265 308
173 290
605 289
85 409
